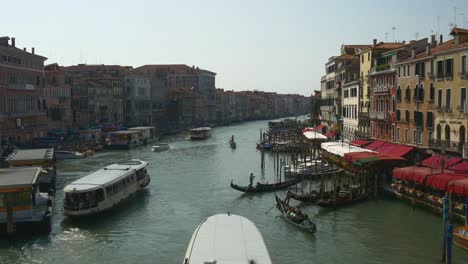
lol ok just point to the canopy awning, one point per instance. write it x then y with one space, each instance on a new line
415 174
459 187
312 135
319 128
441 181
307 129
330 134
436 161
341 148
360 142
377 157
394 149
374 145
461 167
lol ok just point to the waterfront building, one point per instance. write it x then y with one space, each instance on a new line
450 84
57 96
22 107
137 94
383 89
186 78
328 108
366 59
415 94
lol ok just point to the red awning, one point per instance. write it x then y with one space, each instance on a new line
461 168
459 187
360 142
319 128
436 161
353 156
374 145
394 149
414 173
307 129
330 134
441 181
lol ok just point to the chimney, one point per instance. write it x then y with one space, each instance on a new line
433 41
13 42
24 49
457 39
413 52
441 39
428 48
375 41
32 50
4 41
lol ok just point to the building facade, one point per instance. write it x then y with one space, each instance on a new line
57 95
22 107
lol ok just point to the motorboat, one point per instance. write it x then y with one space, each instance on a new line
160 147
64 154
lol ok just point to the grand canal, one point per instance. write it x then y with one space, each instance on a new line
191 182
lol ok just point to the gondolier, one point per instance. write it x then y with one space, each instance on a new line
251 178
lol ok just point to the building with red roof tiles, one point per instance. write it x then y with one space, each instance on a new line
22 108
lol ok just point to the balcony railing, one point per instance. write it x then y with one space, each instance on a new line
463 74
377 115
382 68
21 86
431 75
446 145
327 108
383 88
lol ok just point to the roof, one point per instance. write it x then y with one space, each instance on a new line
312 135
124 132
227 238
458 31
436 161
170 68
18 177
461 167
393 149
141 128
374 145
459 187
31 154
416 174
200 129
106 175
346 56
360 142
341 148
440 181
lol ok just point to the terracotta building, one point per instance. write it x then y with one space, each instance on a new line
57 95
22 108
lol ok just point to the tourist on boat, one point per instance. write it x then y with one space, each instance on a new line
251 178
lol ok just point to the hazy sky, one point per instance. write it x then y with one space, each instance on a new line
266 44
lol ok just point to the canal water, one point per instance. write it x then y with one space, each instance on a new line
191 182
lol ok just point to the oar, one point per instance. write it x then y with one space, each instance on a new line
270 209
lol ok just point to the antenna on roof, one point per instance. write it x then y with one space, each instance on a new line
386 35
416 35
393 33
438 22
454 16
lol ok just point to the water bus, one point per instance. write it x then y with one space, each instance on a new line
200 133
105 188
148 134
227 238
125 139
23 207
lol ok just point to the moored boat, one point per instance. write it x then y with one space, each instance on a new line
294 215
460 237
227 238
200 133
24 209
344 197
105 188
147 133
262 187
64 154
160 147
310 197
125 139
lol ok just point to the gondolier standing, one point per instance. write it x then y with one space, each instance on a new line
251 178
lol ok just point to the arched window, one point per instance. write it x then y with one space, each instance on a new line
447 133
439 132
431 92
421 93
407 116
398 92
393 104
415 92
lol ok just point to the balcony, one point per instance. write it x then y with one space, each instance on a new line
449 76
440 76
431 75
463 75
382 68
446 145
383 88
21 86
327 108
378 115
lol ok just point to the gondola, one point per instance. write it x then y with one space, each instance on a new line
294 216
260 187
341 200
310 197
